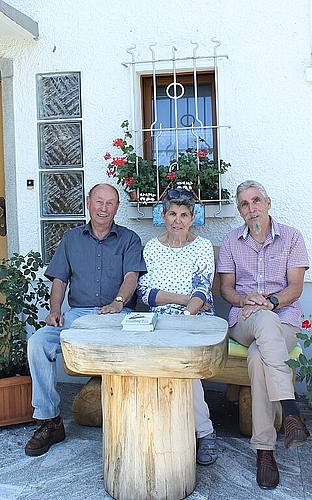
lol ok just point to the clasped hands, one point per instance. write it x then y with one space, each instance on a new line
253 302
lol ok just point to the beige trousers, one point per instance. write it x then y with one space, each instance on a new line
268 341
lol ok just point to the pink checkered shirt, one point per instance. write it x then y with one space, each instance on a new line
264 270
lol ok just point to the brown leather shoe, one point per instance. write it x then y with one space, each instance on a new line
296 432
267 471
48 433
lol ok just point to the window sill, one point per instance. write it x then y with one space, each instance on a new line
212 210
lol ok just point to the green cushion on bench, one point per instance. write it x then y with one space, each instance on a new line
239 350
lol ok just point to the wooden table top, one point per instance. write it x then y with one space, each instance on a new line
179 347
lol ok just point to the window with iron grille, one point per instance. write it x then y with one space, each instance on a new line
179 130
189 114
60 157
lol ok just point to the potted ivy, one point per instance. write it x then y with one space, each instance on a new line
22 295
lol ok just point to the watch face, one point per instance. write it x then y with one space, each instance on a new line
273 300
119 299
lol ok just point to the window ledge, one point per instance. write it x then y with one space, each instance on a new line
212 210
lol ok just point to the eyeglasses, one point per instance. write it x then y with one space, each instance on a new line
175 194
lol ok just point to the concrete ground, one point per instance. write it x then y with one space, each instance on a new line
73 470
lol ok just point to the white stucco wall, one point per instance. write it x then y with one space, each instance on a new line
264 95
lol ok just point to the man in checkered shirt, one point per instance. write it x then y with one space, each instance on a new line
262 266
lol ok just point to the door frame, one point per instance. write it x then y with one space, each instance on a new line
8 154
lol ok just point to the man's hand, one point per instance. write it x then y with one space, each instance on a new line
54 319
254 299
112 308
248 310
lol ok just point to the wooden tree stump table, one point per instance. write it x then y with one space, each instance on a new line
147 397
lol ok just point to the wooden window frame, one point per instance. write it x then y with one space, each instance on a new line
163 80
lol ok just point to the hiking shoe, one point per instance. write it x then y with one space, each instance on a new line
296 432
207 449
48 433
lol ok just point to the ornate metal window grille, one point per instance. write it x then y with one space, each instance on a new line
60 156
182 110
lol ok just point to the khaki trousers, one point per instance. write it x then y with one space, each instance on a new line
268 341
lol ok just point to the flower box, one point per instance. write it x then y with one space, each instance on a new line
214 210
15 400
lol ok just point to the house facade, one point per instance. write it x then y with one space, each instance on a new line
232 76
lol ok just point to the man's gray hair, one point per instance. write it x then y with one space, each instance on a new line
251 184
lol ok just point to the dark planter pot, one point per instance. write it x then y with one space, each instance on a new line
15 400
133 195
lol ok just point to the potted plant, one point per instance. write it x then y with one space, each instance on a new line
194 169
22 295
136 175
303 363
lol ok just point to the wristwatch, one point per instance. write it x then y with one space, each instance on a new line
274 300
119 299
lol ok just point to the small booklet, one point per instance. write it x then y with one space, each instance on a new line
140 321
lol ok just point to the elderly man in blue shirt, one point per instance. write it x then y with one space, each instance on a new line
100 262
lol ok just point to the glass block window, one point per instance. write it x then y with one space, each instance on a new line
59 96
60 145
62 194
60 157
52 233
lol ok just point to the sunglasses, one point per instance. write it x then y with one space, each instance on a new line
175 194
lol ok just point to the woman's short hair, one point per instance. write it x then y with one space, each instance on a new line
178 196
251 184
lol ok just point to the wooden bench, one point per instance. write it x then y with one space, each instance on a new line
87 408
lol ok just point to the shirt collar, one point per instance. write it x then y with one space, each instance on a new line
88 229
244 230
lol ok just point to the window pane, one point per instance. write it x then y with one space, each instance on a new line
58 96
180 113
52 233
179 123
62 194
60 145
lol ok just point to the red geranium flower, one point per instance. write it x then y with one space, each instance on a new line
107 156
202 153
110 172
119 162
306 324
118 143
128 181
171 176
